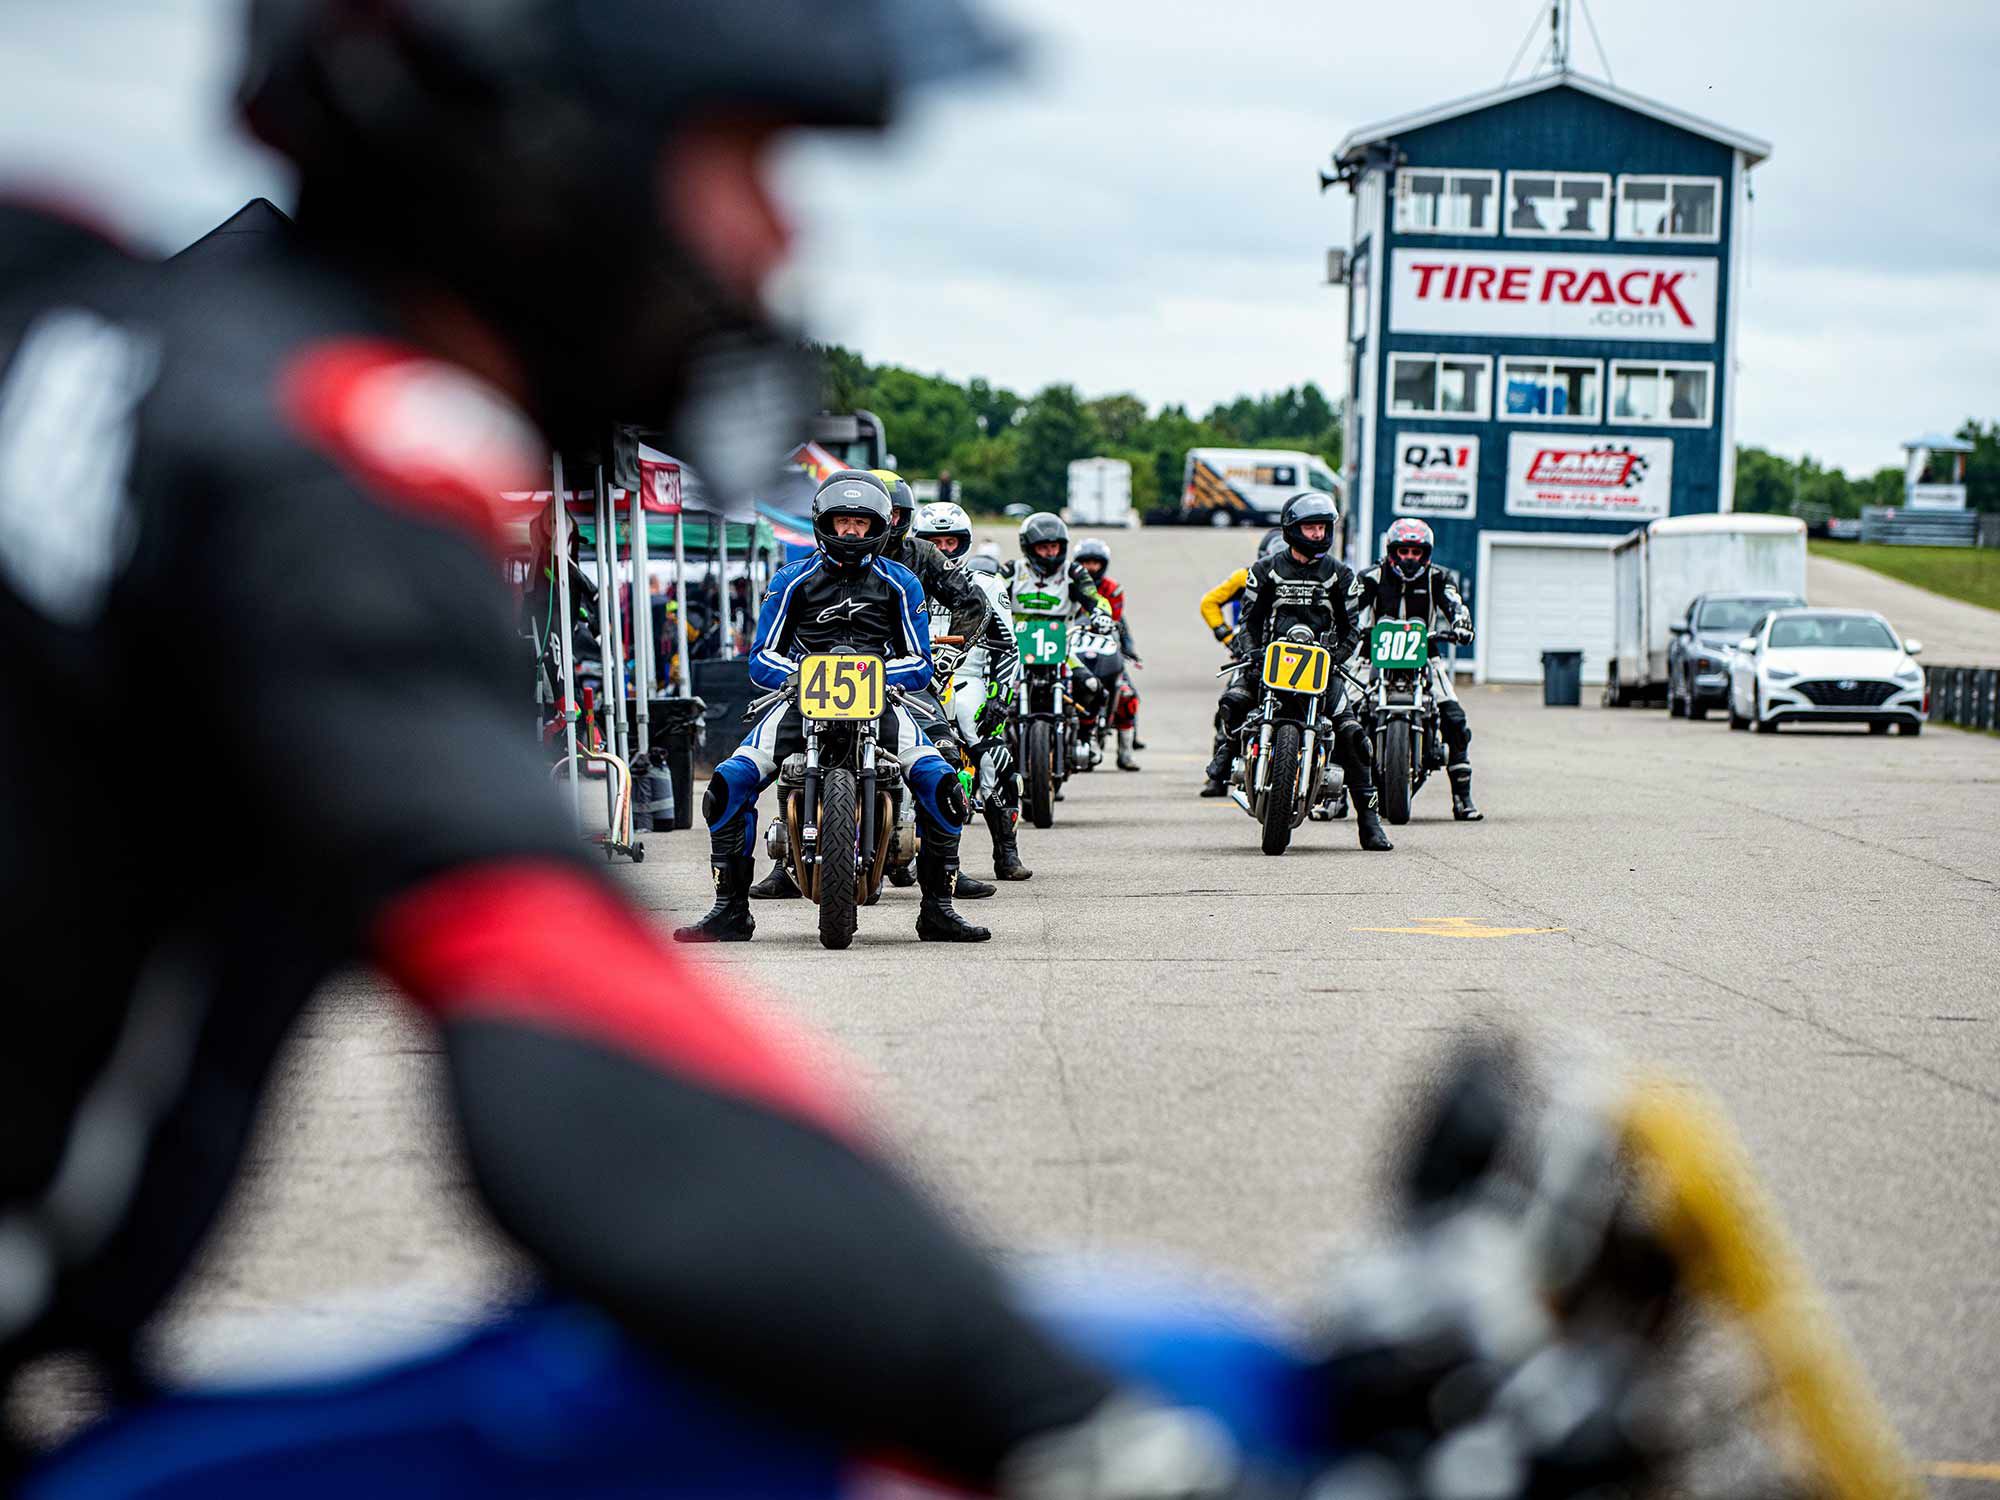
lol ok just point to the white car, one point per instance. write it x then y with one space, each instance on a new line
1829 666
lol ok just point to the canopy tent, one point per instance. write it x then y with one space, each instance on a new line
253 227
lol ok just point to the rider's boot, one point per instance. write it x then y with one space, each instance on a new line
729 920
899 874
776 886
1006 846
966 888
1217 784
1462 807
937 872
1368 819
1125 761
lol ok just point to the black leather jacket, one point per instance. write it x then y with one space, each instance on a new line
1281 592
267 715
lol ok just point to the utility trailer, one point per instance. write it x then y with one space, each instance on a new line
1100 493
1657 571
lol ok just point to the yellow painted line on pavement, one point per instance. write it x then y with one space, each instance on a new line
1986 1473
1460 927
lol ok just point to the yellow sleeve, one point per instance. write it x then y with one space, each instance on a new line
1221 594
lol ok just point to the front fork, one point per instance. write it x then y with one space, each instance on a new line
865 802
809 804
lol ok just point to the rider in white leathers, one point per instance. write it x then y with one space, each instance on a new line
982 685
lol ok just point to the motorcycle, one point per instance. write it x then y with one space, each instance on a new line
836 817
1044 720
1284 750
1101 658
1402 714
1528 1328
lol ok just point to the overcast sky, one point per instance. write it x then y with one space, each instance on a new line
1139 211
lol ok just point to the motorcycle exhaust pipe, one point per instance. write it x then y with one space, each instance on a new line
1241 799
1264 757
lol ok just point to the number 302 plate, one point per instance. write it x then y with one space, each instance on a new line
841 687
1296 667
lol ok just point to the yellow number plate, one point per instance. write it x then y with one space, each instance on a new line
1296 668
841 687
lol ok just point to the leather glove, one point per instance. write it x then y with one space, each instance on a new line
945 660
1224 633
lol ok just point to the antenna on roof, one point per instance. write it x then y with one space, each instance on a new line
1557 49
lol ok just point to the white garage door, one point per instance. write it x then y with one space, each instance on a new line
1541 596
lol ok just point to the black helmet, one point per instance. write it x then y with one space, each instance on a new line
851 492
1308 505
900 499
509 152
1090 549
1274 541
1045 526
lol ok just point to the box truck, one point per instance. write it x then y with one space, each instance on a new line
1658 569
1100 493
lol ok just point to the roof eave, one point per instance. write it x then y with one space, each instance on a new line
1754 149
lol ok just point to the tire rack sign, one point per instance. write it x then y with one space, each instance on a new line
1658 298
1562 474
1437 474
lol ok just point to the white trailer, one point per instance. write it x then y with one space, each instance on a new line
1658 569
1100 493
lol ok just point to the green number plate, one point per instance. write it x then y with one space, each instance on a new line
1042 642
1399 644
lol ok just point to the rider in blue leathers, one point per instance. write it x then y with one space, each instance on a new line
845 597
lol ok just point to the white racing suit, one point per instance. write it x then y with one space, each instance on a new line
984 675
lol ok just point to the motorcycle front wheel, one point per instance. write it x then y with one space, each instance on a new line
839 859
1038 773
1281 788
1394 773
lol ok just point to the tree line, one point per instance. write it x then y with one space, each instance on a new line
1005 448
1774 484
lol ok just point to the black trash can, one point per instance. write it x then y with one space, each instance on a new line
675 725
1562 679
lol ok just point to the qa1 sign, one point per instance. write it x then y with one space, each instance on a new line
1657 298
1437 474
1606 479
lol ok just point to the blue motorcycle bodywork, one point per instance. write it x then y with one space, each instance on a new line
555 1401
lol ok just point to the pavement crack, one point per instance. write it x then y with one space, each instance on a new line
1579 933
1045 1028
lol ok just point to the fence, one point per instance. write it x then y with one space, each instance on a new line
1919 528
1966 696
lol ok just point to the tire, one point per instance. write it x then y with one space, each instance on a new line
1880 726
1912 728
1395 775
1221 519
1759 723
839 876
1696 709
1282 785
1038 773
1677 706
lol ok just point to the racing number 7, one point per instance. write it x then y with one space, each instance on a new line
1300 662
